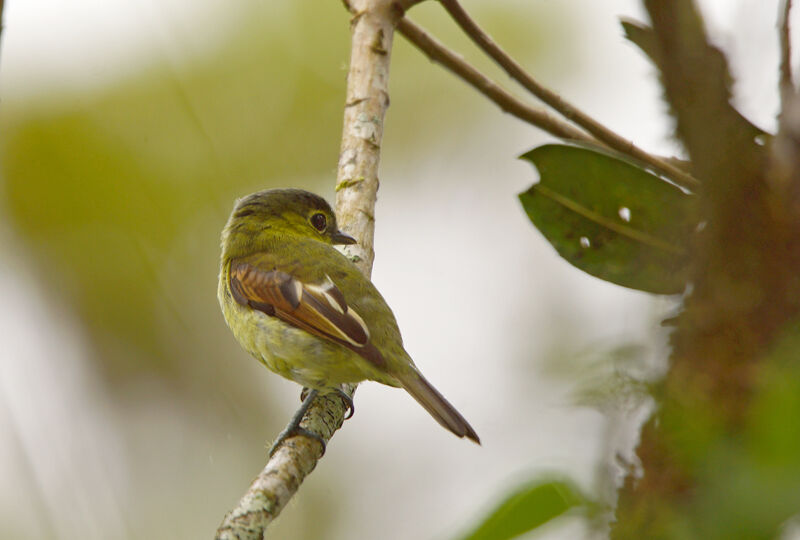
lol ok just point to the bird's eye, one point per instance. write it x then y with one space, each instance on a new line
319 222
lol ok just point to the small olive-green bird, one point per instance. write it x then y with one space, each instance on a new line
306 311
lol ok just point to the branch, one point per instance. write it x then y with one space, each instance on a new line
372 29
404 5
786 84
283 474
697 84
365 107
744 265
784 166
439 53
567 110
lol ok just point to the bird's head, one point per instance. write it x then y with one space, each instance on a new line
282 212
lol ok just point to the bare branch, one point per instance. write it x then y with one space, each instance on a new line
536 116
786 83
405 5
567 110
784 164
697 83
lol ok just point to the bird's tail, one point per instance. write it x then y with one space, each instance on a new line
435 403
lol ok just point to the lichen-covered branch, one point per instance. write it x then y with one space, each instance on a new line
365 107
372 28
283 474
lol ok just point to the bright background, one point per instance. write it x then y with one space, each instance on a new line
127 129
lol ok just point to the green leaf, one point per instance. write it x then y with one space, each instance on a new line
528 508
610 217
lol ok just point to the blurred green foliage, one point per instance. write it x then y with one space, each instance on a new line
750 485
528 508
747 481
118 195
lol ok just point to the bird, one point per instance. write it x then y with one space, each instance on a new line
305 311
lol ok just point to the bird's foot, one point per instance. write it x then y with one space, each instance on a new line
294 428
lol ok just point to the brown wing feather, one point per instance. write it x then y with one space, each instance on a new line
318 309
275 288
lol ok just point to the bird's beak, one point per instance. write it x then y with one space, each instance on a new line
341 238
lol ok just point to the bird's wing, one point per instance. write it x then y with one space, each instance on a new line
317 308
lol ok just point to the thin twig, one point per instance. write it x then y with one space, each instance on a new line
784 165
439 53
786 83
356 191
567 110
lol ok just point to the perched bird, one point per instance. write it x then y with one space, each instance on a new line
305 310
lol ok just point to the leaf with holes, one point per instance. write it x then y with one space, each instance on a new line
610 217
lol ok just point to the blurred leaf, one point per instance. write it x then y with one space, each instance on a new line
528 508
610 218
